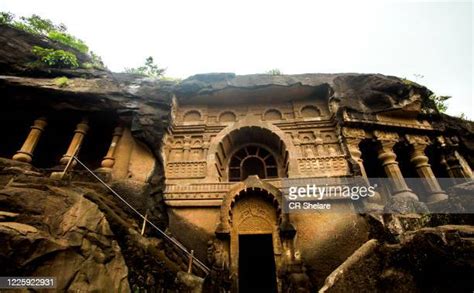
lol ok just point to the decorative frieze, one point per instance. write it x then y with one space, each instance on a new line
323 166
190 169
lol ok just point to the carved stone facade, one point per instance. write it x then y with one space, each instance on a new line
226 157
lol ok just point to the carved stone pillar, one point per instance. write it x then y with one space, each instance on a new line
25 154
389 162
109 159
420 161
186 148
76 142
353 137
451 161
465 165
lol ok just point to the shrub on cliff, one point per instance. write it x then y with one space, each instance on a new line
55 58
58 33
68 40
150 68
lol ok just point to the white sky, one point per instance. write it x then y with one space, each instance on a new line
401 38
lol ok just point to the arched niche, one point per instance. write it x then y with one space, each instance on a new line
227 116
192 116
272 115
310 111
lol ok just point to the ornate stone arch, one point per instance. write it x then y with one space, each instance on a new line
251 183
241 124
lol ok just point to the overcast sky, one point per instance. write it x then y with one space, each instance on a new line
402 38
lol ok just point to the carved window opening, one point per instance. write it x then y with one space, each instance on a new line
252 160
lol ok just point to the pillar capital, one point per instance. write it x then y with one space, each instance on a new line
82 127
386 137
40 123
354 133
417 139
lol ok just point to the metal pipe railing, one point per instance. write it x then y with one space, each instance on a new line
175 242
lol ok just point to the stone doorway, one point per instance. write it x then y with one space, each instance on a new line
256 263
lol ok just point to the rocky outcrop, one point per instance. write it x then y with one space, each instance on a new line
437 259
55 229
49 226
365 93
16 57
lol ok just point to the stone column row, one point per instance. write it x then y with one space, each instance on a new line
386 142
25 154
386 155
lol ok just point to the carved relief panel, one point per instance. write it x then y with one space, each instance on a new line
186 157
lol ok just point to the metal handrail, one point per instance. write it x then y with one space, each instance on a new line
191 256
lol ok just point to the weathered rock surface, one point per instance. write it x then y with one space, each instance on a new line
57 232
366 93
16 56
438 259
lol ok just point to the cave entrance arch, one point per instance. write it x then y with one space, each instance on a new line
250 226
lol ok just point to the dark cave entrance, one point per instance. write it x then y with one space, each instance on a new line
257 271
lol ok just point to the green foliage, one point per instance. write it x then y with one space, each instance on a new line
148 69
97 61
68 40
61 81
6 17
274 71
440 102
37 25
58 33
55 58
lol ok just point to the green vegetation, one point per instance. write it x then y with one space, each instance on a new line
57 33
6 17
68 40
440 102
274 71
55 58
61 81
148 69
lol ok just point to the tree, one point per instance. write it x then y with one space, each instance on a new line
274 71
150 68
